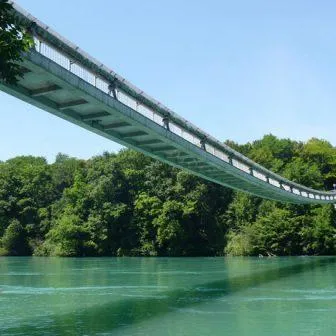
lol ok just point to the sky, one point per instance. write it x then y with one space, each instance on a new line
237 69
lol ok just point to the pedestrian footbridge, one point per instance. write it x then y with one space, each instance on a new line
62 79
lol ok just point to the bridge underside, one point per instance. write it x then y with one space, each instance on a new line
51 87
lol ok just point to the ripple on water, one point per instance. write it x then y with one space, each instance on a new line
52 290
20 273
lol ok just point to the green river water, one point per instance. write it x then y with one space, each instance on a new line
168 296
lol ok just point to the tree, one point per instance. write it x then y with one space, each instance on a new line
64 170
303 172
14 40
14 241
146 210
170 231
321 153
319 237
67 238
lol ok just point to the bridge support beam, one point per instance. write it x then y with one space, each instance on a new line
44 91
95 116
73 103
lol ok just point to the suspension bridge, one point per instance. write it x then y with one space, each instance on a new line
62 79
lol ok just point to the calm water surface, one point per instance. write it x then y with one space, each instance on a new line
166 296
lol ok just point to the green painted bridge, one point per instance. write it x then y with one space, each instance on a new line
62 79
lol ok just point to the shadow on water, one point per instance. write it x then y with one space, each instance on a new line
108 317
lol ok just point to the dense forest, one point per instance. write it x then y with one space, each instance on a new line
127 204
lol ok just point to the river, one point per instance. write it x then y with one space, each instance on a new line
168 296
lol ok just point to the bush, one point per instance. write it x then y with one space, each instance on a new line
239 243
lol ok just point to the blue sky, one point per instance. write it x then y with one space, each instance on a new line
238 69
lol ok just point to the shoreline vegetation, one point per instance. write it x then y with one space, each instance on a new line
127 204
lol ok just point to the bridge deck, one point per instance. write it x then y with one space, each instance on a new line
63 80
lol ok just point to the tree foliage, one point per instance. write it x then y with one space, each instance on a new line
14 40
128 204
14 240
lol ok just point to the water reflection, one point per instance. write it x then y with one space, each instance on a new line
97 296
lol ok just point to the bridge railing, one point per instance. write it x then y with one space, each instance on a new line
70 57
